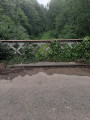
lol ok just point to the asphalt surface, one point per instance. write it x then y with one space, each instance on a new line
45 97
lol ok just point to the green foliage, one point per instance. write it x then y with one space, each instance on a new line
28 53
8 29
21 20
27 19
69 18
81 51
41 54
46 36
5 52
52 52
66 53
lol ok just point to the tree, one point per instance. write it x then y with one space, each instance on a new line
69 18
25 16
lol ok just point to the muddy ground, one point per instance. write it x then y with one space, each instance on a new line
10 73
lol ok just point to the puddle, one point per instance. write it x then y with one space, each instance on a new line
49 71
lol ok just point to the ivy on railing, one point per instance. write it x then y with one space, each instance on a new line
46 52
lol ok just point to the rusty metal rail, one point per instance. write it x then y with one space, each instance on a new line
61 40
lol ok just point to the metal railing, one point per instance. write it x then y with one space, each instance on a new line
48 40
21 43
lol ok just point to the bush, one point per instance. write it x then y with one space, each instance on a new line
65 53
28 53
5 52
41 54
81 51
53 52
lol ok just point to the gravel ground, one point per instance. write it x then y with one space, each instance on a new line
53 94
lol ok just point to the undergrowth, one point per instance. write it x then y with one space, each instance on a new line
79 52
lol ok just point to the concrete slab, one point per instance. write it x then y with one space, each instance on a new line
49 64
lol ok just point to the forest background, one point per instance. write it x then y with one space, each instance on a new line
27 19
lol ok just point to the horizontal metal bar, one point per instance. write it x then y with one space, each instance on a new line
61 40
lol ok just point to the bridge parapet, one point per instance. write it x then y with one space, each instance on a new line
22 43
